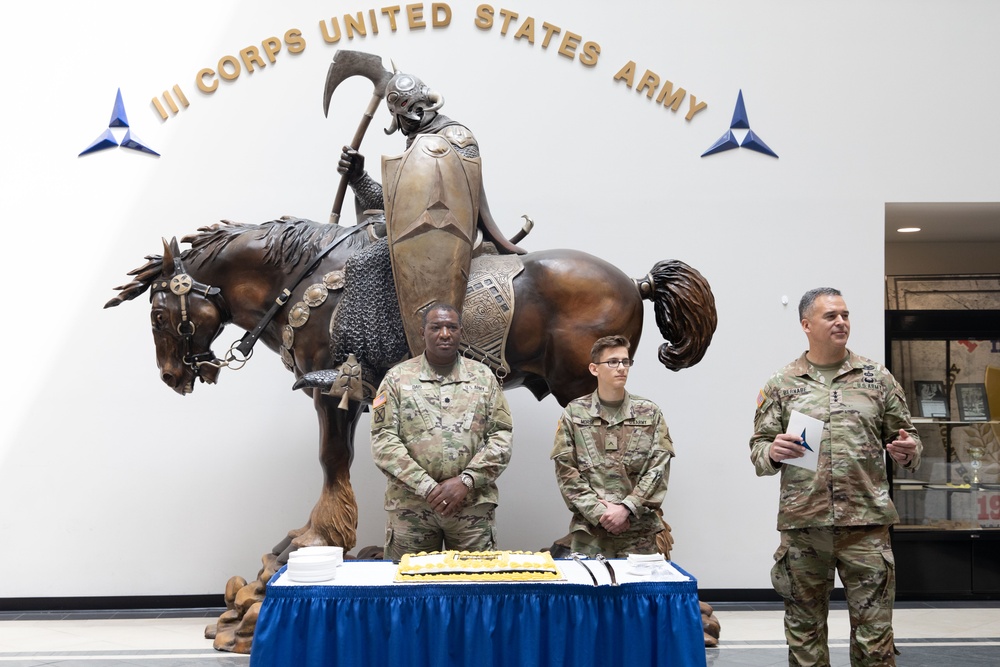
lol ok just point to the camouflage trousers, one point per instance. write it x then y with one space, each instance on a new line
613 546
412 530
803 575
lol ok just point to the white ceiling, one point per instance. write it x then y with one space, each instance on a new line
943 222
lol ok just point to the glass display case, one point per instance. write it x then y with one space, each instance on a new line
947 541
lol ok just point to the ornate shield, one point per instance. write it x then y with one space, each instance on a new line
431 207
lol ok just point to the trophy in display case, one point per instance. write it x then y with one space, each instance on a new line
976 452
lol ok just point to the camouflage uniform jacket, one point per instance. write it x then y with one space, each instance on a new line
624 461
862 410
427 428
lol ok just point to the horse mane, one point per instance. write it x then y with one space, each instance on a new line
287 241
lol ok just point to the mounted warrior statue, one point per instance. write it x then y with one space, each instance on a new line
319 295
435 207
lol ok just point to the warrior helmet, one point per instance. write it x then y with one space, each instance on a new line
409 97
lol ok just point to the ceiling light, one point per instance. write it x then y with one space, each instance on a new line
908 230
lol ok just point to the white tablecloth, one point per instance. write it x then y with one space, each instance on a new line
381 573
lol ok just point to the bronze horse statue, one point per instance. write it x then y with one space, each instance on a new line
233 272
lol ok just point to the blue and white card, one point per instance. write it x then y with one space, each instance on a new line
811 432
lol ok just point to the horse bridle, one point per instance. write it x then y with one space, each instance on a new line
182 285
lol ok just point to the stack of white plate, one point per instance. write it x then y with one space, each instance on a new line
314 564
646 564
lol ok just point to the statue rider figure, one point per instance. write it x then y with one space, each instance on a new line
433 199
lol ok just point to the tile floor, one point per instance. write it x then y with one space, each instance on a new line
927 634
934 634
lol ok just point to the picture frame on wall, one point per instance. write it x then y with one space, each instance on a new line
932 399
973 404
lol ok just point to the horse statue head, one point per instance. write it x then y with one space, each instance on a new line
187 316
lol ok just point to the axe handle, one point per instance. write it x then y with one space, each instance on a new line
338 202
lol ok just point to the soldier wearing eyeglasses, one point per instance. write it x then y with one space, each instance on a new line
612 456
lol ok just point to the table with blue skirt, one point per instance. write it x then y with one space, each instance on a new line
362 618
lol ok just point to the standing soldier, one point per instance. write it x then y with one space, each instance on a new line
838 516
612 456
441 433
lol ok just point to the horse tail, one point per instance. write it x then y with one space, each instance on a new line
685 312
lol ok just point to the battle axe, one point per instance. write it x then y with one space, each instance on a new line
347 64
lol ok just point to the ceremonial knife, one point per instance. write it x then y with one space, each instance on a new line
611 570
576 557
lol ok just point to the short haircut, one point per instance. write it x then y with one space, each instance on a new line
807 300
608 342
440 305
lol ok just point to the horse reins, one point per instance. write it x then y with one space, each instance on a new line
245 345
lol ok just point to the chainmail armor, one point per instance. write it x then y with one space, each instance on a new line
470 151
367 320
369 192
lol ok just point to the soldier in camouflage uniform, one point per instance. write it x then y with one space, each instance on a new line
612 456
441 433
837 517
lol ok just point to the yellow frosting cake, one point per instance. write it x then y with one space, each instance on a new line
478 566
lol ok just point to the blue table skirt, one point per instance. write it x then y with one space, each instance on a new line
480 625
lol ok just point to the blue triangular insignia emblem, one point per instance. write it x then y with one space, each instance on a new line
131 141
118 117
740 120
106 140
726 142
754 143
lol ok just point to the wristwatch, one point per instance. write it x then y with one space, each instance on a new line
467 480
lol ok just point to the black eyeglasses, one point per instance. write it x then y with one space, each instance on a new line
615 363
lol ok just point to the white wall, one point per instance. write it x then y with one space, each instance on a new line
110 484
